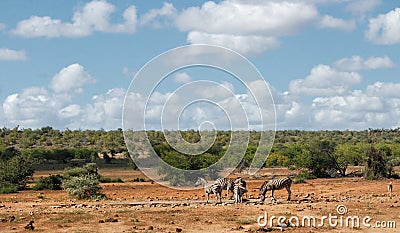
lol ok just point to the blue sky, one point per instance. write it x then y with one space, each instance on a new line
330 64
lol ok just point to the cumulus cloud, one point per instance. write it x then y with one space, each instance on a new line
93 16
328 21
12 55
69 111
71 79
269 18
353 111
385 28
382 89
34 107
182 77
105 111
325 81
243 44
356 63
159 17
248 27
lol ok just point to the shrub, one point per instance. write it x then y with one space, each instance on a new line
6 187
52 182
110 180
83 187
306 175
303 176
137 179
88 169
16 171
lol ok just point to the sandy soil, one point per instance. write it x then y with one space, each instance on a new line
54 211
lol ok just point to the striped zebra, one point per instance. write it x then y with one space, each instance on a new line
210 189
276 184
226 184
239 189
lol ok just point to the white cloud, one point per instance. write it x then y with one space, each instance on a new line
164 16
328 21
243 44
356 63
182 77
94 16
268 18
325 81
385 28
71 79
34 107
12 55
249 27
69 111
353 111
105 111
360 7
2 26
391 90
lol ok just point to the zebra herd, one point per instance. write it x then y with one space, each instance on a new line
238 188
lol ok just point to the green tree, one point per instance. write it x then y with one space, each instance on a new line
16 170
377 166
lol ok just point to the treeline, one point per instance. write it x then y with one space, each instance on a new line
46 137
323 153
113 140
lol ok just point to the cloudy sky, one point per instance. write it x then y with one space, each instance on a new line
330 64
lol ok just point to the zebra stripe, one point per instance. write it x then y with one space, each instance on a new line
239 189
210 189
226 184
276 184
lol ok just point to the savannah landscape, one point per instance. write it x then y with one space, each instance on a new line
132 207
133 203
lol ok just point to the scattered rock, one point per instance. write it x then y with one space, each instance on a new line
178 229
30 226
150 228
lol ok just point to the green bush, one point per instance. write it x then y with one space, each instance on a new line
6 187
306 175
110 180
303 176
15 170
52 182
88 169
137 179
83 187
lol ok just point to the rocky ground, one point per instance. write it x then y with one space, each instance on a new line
149 207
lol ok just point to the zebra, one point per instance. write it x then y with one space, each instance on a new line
226 184
210 189
276 184
239 189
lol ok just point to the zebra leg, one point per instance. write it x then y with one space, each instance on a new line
272 194
289 192
208 195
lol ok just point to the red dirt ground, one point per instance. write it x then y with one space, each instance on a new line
54 211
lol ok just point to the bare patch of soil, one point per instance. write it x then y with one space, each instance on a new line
54 211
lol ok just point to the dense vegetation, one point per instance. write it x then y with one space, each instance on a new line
322 153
